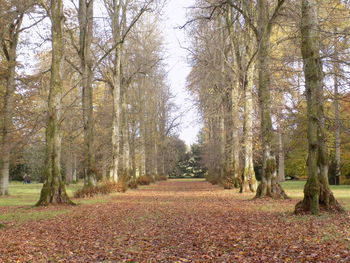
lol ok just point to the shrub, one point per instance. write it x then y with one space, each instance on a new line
228 183
132 184
143 180
161 177
103 188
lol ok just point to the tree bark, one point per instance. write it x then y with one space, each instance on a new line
235 94
116 114
317 194
337 125
6 125
125 132
222 140
281 166
54 191
249 182
69 164
85 16
269 186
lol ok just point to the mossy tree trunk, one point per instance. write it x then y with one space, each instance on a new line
85 16
269 186
242 42
117 13
9 42
317 194
281 165
54 191
125 131
337 138
235 95
249 182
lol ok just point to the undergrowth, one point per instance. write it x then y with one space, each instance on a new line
106 187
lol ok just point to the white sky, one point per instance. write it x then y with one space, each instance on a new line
174 16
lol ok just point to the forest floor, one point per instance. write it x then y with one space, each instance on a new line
173 221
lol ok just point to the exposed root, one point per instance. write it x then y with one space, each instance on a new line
327 203
276 191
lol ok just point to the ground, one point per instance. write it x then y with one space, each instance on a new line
172 221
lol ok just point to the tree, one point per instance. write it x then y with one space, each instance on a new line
85 16
54 191
118 12
9 37
317 194
242 43
269 185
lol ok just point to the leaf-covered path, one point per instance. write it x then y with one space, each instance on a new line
178 221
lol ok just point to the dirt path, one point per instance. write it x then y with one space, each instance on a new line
177 221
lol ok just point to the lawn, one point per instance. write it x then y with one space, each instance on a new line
294 190
16 208
28 194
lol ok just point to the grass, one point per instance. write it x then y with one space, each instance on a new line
21 216
23 196
28 194
294 189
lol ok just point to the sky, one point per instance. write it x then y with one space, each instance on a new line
178 69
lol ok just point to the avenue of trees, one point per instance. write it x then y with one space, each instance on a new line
271 78
84 95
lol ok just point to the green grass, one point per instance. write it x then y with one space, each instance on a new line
24 196
294 189
28 194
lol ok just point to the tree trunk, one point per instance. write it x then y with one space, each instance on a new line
155 147
235 132
222 143
54 191
125 132
132 148
337 125
74 175
281 174
116 114
85 16
6 124
269 186
69 163
249 182
317 194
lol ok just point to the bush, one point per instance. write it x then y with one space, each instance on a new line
228 183
101 189
132 184
213 179
161 177
144 180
